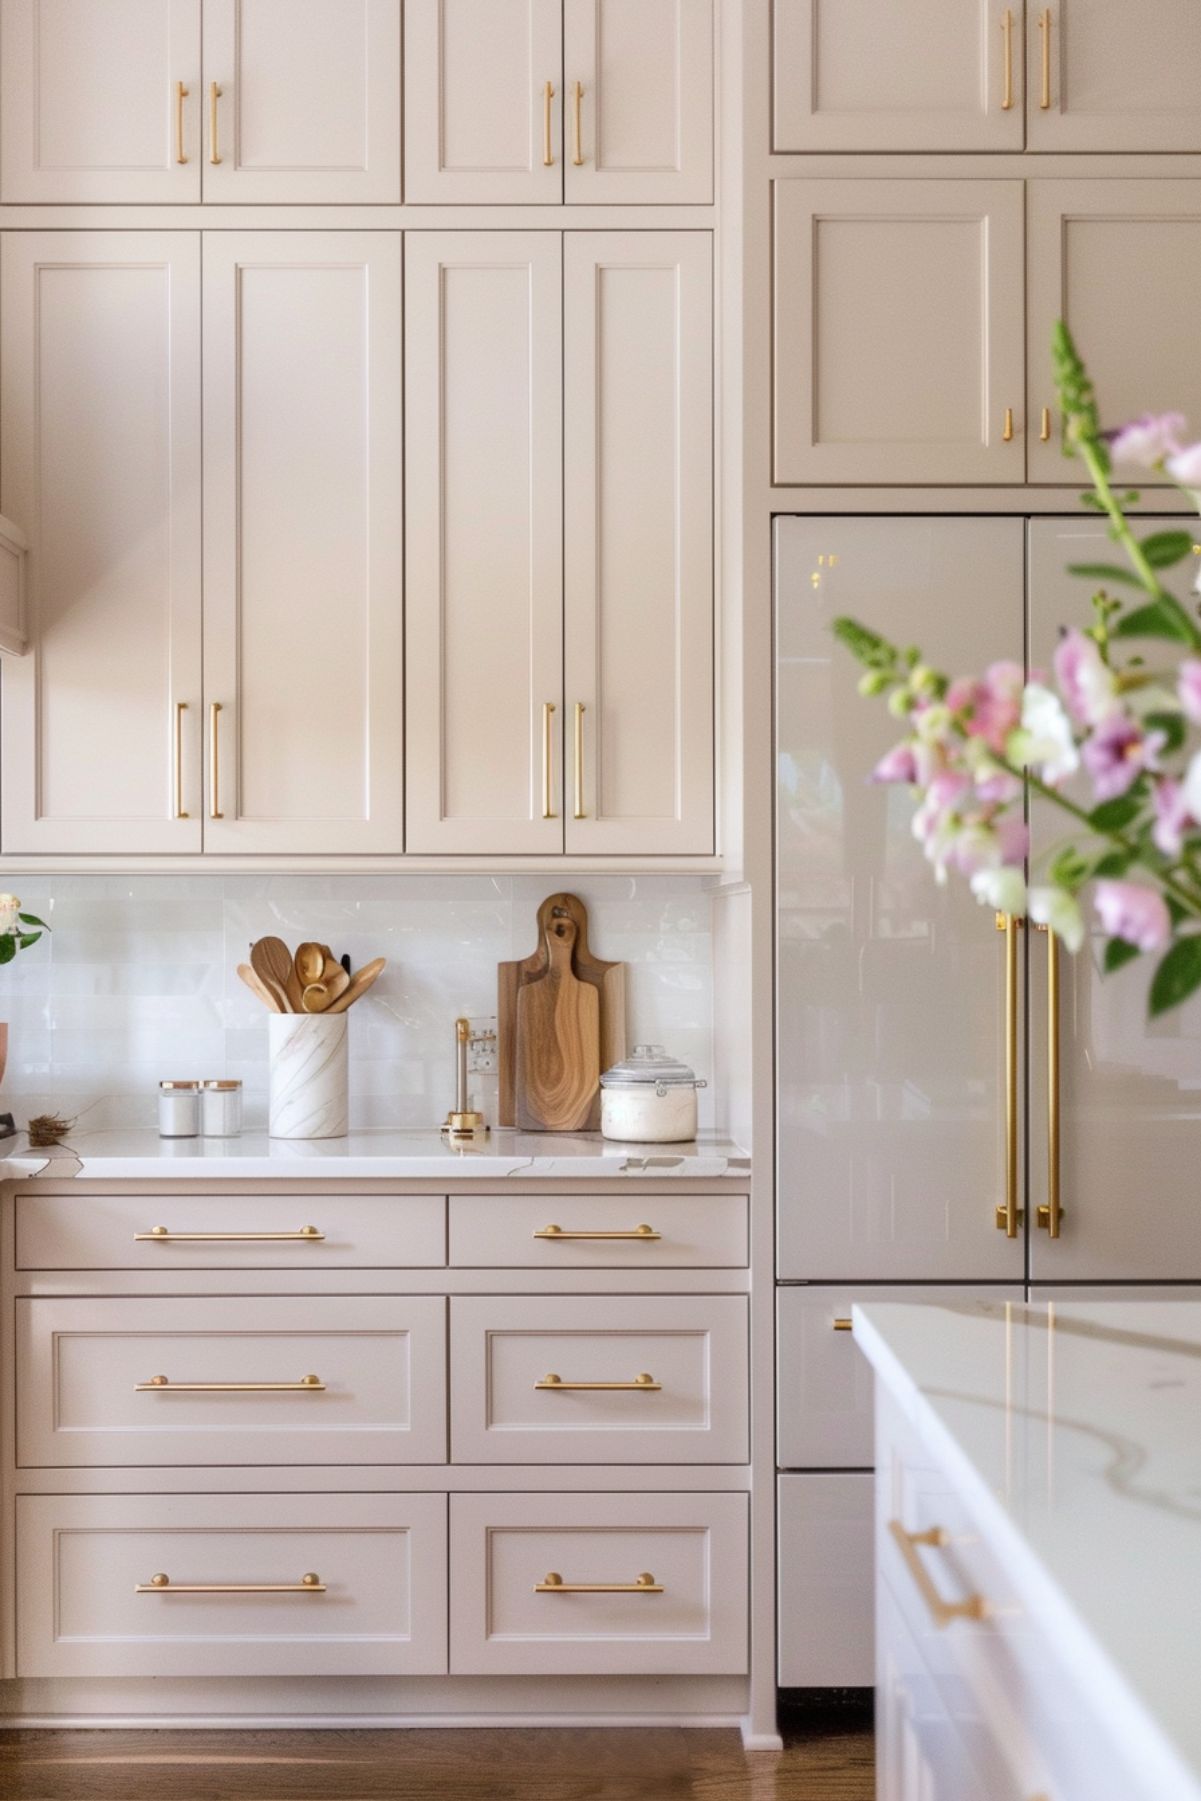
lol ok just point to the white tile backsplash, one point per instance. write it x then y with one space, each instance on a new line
138 981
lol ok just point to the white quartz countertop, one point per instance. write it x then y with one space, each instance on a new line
140 1156
1072 1431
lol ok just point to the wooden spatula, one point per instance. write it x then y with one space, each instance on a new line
358 985
558 1041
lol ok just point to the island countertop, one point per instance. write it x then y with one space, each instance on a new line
371 1156
1072 1432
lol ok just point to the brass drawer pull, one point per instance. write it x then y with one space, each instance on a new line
215 93
578 812
972 1607
1044 31
639 1235
181 707
1048 1215
1007 35
214 761
577 102
181 94
644 1383
548 149
843 1323
309 1584
1009 1214
161 1235
553 1584
548 761
308 1385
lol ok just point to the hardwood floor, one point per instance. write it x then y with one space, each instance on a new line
821 1762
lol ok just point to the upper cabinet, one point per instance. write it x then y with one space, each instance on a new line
1105 75
541 101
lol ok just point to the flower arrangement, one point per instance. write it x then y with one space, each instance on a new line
12 937
1121 708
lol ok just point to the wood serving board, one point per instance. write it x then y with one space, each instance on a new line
558 1041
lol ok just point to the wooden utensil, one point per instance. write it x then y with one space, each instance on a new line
271 961
358 985
257 986
609 979
558 1040
310 963
319 996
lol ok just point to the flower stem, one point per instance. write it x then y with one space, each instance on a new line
1121 528
1188 900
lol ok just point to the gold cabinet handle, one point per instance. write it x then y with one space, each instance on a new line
214 764
1007 428
972 1607
1009 1214
548 805
643 1384
1007 35
1050 1212
181 94
162 1235
1044 428
548 148
309 1584
843 1324
579 759
553 1584
639 1235
577 134
308 1385
1044 31
215 93
181 707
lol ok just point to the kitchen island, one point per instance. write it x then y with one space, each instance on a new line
1038 1546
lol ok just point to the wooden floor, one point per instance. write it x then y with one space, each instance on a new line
821 1762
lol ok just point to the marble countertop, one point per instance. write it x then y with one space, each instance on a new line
1072 1431
125 1156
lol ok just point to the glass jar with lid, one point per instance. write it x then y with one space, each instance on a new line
178 1109
220 1108
649 1098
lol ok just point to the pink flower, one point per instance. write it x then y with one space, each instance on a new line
1118 752
991 707
1172 816
1147 440
1087 683
1188 686
1134 913
896 765
1185 466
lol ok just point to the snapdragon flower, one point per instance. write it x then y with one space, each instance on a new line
1147 440
1135 913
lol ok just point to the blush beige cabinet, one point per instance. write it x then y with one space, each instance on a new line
559 576
1103 76
543 101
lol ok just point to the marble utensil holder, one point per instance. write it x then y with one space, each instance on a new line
308 1079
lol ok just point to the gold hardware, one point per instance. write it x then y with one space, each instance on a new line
640 1234
548 713
162 1235
1009 1216
579 759
843 1324
214 767
972 1607
181 94
310 1584
645 1383
215 93
553 1584
181 707
1007 430
308 1385
577 101
1050 1213
1044 430
548 151
1007 33
1044 29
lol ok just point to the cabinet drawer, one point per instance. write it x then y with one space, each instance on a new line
85 1560
826 1581
599 1231
540 1380
84 1369
507 1619
230 1231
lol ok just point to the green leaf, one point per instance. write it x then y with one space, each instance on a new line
1115 815
1173 727
869 647
1118 952
1162 549
31 919
1069 870
8 947
1114 863
1105 572
28 938
1164 618
1094 501
1178 976
1178 912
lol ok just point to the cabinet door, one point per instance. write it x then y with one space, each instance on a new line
1104 75
638 484
898 331
308 100
480 124
484 616
1129 1104
639 124
826 1581
302 541
100 450
872 75
891 997
90 103
1121 262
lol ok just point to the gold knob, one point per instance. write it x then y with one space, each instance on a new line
311 1579
158 1382
310 1381
1007 429
158 1231
309 1232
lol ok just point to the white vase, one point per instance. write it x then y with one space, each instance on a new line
308 1075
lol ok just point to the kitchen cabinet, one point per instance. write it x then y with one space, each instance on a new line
915 378
1102 75
100 450
302 542
100 100
872 75
826 1629
1120 260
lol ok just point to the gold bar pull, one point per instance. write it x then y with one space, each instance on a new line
1009 1215
643 1383
181 94
215 93
579 759
972 1607
214 764
577 102
309 1584
1044 31
553 1584
548 149
548 714
158 1385
1007 428
181 707
843 1324
162 1235
1044 430
1007 34
640 1234
1050 1213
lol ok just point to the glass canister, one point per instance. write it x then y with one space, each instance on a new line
649 1098
178 1109
220 1108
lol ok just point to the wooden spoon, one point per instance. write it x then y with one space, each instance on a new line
358 985
256 985
271 961
310 963
318 996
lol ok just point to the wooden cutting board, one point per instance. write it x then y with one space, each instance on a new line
558 1041
609 980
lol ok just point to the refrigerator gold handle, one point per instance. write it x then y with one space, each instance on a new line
1050 1212
1009 1215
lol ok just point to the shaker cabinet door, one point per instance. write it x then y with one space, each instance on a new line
302 101
872 75
898 331
302 542
100 101
1105 75
100 450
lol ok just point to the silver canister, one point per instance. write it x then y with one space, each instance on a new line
178 1109
221 1108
